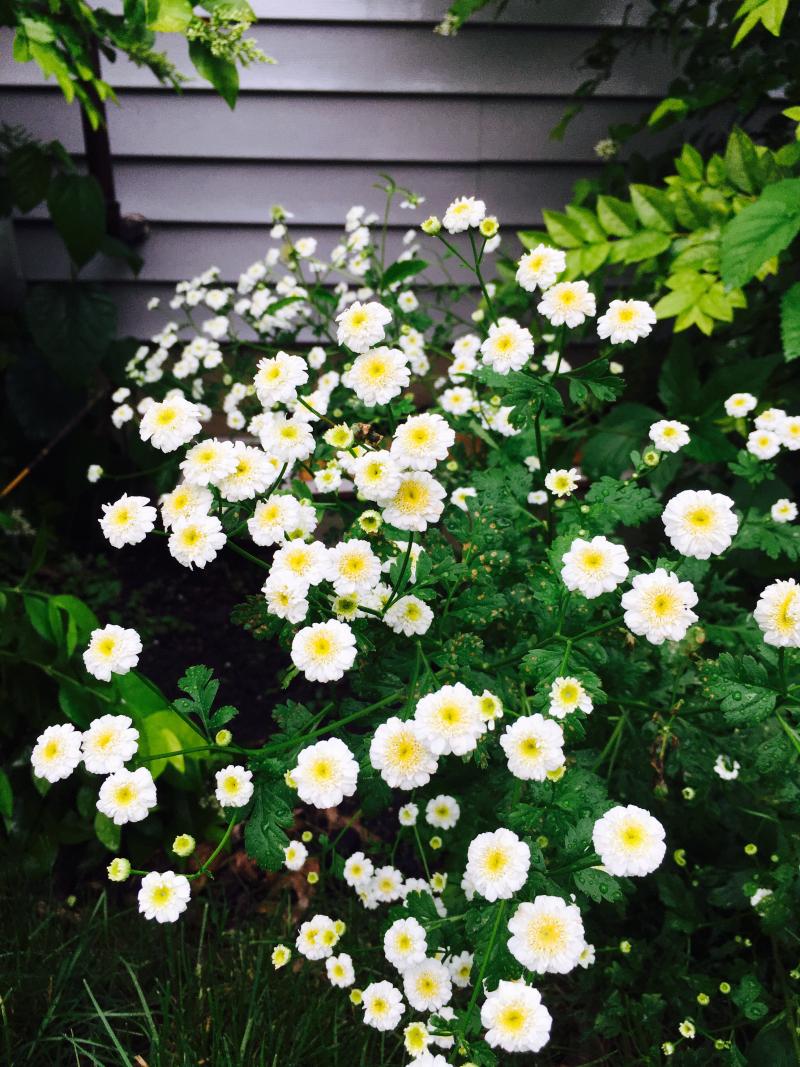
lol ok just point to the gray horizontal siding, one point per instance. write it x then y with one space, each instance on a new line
522 12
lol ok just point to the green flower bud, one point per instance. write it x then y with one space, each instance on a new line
184 845
119 869
223 738
431 226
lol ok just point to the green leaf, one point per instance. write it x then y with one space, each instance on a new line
790 322
689 164
623 502
77 208
587 223
775 539
107 831
39 617
608 449
29 169
222 74
741 161
265 831
169 16
653 208
769 13
740 686
617 217
566 232
760 231
597 885
672 105
642 245
6 795
398 272
73 325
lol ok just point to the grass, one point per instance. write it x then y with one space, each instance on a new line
95 984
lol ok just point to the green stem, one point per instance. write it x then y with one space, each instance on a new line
790 733
486 960
205 867
481 282
421 851
53 673
782 670
294 741
395 592
314 411
248 555
596 629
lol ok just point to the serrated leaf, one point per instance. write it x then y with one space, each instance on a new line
790 322
741 688
597 885
761 230
271 814
624 502
653 207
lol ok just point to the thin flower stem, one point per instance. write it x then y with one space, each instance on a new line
314 411
205 867
401 576
481 282
790 733
478 987
187 751
248 555
421 851
596 629
294 741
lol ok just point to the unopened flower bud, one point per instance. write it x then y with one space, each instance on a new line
223 738
119 869
184 845
431 226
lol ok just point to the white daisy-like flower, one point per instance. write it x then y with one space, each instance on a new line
422 441
387 884
253 471
497 864
358 870
287 437
234 786
170 424
449 720
460 968
658 607
461 495
547 935
94 472
295 855
442 812
416 1040
700 523
783 510
326 773
594 567
457 401
562 482
127 796
568 303
362 325
508 346
278 517
515 1019
568 695
789 432
407 301
57 752
279 377
464 212
128 520
417 501
587 956
305 247
109 743
112 650
376 475
726 768
407 814
164 896
340 970
771 419
353 567
540 268
196 539
120 415
533 746
317 937
537 498
185 499
300 564
209 462
778 614
409 615
405 944
285 599
490 708
763 444
629 841
626 320
402 757
378 376
669 435
427 985
740 404
383 1005
324 651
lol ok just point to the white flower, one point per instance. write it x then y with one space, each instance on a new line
387 885
442 812
771 419
285 599
726 768
468 345
109 743
402 757
778 614
757 898
94 472
461 495
326 773
626 320
358 870
127 796
457 401
407 300
279 377
508 347
196 539
594 567
185 499
515 1018
587 956
340 970
170 424
533 746
300 564
120 415
567 694
629 841
490 707
362 325
405 944
379 375
460 968
383 1005
658 606
464 212
164 896
497 864
568 303
739 404
295 855
449 720
540 268
376 475
562 482
422 441
417 501
407 814
324 651
409 615
112 650
547 935
253 470
317 937
234 786
128 520
427 985
537 498
783 510
353 567
789 432
287 437
669 435
763 444
57 752
700 524
305 247
209 462
279 516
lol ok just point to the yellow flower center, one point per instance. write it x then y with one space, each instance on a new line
52 749
496 861
701 518
166 416
512 1020
124 795
106 645
322 770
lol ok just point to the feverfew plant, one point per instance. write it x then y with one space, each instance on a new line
482 632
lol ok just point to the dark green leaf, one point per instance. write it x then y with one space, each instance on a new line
222 74
77 208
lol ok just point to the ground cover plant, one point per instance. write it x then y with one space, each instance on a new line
543 663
